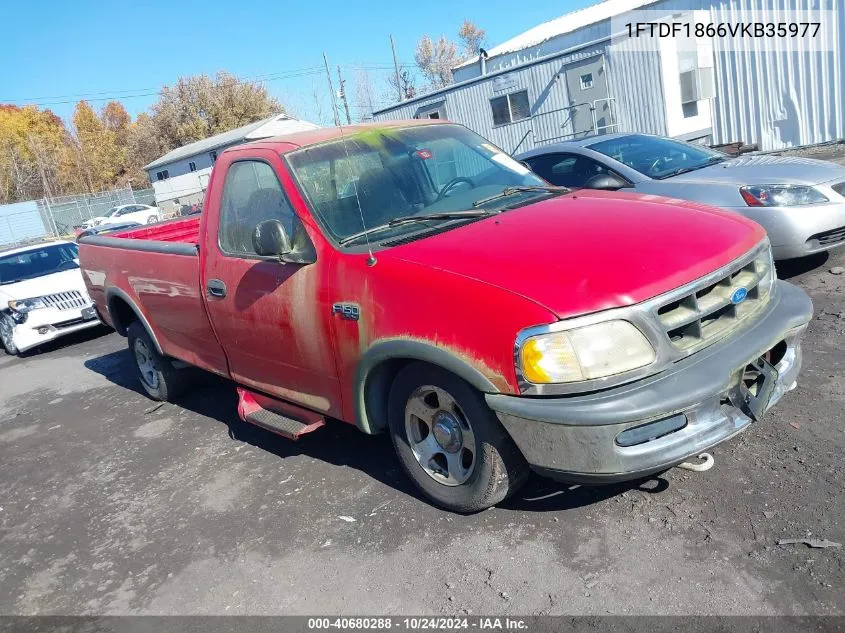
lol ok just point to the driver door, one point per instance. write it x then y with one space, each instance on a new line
271 318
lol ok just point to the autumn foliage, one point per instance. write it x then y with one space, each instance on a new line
42 156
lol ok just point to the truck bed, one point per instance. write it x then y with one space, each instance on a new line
180 231
154 271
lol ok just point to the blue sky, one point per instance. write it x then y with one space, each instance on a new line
52 51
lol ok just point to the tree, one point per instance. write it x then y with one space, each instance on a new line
436 60
30 144
406 85
200 106
472 38
144 145
364 99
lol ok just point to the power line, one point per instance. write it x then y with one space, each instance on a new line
154 91
147 92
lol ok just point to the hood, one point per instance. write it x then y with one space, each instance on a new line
589 251
90 222
49 284
765 170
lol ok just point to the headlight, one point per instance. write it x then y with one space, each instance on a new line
765 264
27 305
781 195
584 353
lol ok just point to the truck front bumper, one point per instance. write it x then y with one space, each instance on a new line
696 404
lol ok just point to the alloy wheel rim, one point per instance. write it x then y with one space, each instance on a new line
146 366
440 435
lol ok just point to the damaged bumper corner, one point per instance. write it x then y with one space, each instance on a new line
647 426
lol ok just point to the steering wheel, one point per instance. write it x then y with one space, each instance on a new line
452 183
656 165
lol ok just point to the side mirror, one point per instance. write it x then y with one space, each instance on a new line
270 239
607 182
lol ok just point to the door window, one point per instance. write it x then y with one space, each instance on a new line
251 194
566 170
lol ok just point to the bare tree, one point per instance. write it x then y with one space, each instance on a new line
436 60
407 84
472 38
364 99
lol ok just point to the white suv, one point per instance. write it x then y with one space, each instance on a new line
140 213
42 295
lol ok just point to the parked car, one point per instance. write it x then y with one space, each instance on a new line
799 201
42 295
140 213
107 228
485 319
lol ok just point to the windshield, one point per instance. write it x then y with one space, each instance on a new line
38 262
655 156
400 172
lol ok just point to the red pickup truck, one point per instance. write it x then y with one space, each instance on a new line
413 278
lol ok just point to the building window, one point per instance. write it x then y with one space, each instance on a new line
213 155
192 166
510 108
586 81
162 175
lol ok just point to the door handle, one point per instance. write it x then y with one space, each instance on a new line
215 288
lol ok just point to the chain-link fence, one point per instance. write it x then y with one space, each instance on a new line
35 220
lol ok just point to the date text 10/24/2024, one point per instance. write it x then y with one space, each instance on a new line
419 623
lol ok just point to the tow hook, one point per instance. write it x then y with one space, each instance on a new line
707 464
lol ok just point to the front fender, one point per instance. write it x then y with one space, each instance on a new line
370 399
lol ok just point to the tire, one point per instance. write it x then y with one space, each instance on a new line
160 380
152 219
6 327
469 463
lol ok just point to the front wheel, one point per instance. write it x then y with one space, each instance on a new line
7 326
152 219
449 442
158 377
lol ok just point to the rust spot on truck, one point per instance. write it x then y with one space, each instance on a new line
498 379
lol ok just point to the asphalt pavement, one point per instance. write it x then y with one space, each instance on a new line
110 504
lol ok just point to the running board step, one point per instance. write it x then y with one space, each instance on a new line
283 418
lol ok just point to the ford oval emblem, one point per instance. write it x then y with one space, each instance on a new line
739 295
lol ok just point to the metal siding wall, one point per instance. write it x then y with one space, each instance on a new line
773 93
470 104
635 81
767 93
20 221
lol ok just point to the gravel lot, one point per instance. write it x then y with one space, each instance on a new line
111 506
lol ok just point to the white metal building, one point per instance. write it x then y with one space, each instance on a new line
181 176
582 74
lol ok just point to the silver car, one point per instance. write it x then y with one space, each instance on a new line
799 201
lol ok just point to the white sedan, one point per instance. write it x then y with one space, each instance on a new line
140 213
42 295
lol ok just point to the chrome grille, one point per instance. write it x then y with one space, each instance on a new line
71 300
706 313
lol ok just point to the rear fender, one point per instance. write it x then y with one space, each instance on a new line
113 294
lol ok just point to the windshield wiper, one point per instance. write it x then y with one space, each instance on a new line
683 170
509 191
410 219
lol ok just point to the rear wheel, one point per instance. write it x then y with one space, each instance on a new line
449 442
152 219
6 328
158 377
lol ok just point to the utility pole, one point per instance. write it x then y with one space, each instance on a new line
331 91
396 68
343 96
